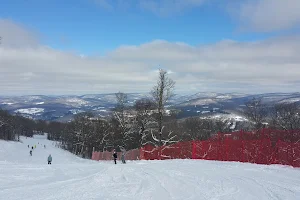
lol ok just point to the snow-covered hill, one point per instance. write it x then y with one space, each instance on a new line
63 108
23 177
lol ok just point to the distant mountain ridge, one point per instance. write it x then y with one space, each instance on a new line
63 108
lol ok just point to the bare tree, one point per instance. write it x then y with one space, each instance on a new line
13 126
198 129
161 93
83 126
2 119
145 120
103 132
256 112
126 120
121 105
222 125
5 132
286 116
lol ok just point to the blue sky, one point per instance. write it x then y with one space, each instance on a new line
127 36
89 27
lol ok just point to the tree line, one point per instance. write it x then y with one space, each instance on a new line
146 122
281 116
13 126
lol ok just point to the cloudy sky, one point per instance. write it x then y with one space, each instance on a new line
100 46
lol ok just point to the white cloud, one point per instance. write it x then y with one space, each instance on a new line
269 15
253 15
15 35
226 66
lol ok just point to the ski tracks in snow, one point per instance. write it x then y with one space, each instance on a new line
72 178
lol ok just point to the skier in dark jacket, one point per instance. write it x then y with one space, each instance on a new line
49 159
30 152
115 156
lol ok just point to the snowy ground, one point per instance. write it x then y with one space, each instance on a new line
71 178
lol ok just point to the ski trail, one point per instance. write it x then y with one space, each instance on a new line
71 178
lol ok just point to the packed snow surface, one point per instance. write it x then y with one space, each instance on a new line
26 177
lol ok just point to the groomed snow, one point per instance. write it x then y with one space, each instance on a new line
23 177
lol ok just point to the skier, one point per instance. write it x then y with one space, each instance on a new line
44 146
49 159
30 152
32 147
28 146
115 156
123 155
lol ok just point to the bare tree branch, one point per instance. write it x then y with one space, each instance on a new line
161 93
256 112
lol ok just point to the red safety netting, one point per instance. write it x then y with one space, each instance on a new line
262 147
288 153
180 150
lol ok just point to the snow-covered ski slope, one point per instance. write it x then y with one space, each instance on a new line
71 178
